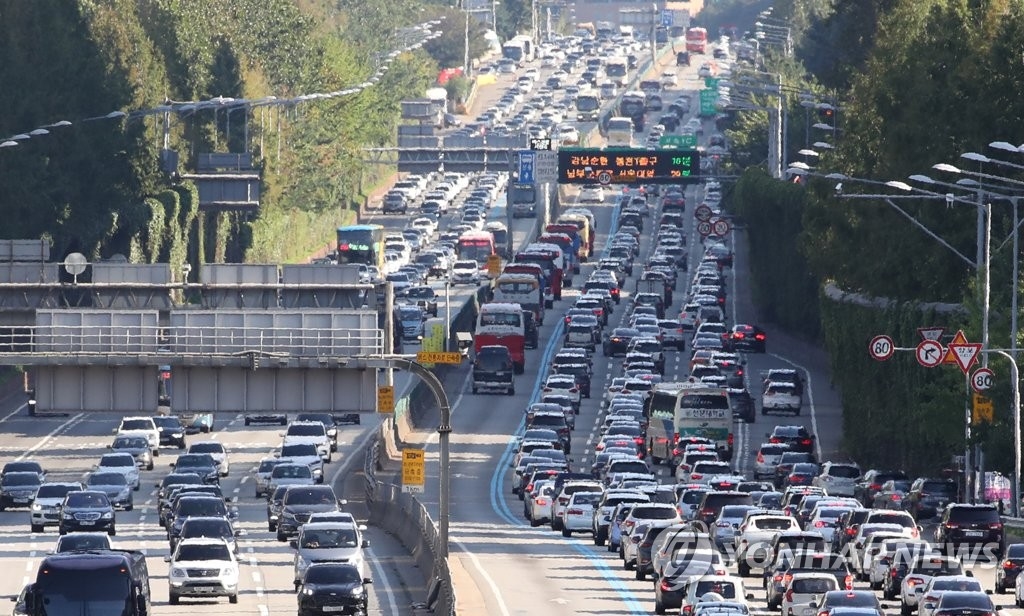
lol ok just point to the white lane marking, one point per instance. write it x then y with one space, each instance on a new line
46 439
264 611
810 401
14 412
495 591
379 572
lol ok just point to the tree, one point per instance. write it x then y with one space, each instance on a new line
448 49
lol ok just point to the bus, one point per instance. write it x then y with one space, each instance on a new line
107 582
619 132
522 289
617 69
476 245
361 244
522 200
588 107
502 324
633 105
697 40
677 411
570 245
549 257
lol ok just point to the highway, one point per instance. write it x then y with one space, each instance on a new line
69 446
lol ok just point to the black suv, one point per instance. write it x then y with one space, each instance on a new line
18 489
617 342
201 464
846 527
928 496
299 502
87 510
797 437
582 373
970 525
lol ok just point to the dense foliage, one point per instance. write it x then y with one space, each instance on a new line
917 82
95 186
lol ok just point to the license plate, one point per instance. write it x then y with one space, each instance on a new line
334 608
973 533
87 522
21 500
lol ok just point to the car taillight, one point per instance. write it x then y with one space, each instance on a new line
639 440
894 573
789 595
778 577
914 581
675 437
665 585
599 447
951 526
1009 565
806 441
760 458
851 532
848 582
875 486
529 487
687 609
774 439
895 497
739 372
759 337
996 526
540 501
724 525
737 335
729 439
574 512
819 524
696 476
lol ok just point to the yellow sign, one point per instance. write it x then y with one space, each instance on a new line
958 338
413 462
494 266
443 357
983 409
385 399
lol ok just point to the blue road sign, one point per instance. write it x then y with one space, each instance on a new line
527 165
668 18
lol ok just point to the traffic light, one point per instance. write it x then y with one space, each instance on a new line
826 114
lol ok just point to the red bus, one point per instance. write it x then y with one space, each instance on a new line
697 40
476 245
502 324
549 257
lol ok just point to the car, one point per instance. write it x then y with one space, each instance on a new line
798 438
1009 568
202 567
922 572
217 451
328 542
956 602
748 338
892 494
837 602
871 482
216 527
803 589
963 524
141 426
201 464
77 542
287 473
18 489
280 419
312 433
938 586
24 466
49 497
753 541
191 505
767 458
332 587
838 478
114 485
299 502
928 496
617 341
424 297
87 510
304 453
261 475
137 446
123 463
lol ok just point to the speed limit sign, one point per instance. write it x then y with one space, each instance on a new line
704 228
881 348
720 227
604 178
982 379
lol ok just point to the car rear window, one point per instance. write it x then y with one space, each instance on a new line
974 514
724 588
653 513
844 472
814 585
938 487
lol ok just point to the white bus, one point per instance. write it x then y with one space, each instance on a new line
678 411
619 132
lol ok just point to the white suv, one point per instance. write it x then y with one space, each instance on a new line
838 478
141 426
123 463
202 567
312 433
46 506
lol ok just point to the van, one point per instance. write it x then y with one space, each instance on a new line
493 370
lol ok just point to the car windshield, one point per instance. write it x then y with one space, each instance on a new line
333 574
107 479
207 528
299 450
844 472
965 600
195 460
21 479
772 523
306 430
137 424
309 496
204 551
86 500
82 541
330 538
206 448
849 599
192 507
267 466
291 471
130 442
117 461
167 422
724 588
51 490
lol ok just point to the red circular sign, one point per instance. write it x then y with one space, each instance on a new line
703 213
881 348
704 228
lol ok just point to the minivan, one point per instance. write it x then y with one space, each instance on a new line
493 370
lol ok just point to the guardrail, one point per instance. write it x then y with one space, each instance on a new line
1011 522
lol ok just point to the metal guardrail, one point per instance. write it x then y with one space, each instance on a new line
1011 522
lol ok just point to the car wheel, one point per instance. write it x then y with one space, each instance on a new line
511 391
743 568
904 609
149 466
246 422
181 445
112 532
137 486
233 599
129 507
599 538
173 599
566 532
659 607
271 526
37 528
475 391
281 536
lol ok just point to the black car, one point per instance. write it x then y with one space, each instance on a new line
18 489
24 466
195 506
846 527
166 510
683 58
928 496
201 464
871 484
748 338
963 524
424 297
170 481
786 462
332 588
1009 568
532 331
87 510
670 121
617 342
797 437
742 404
299 502
582 373
172 431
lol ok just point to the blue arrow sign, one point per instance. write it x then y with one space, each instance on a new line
527 165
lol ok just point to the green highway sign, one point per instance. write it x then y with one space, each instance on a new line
682 142
711 82
708 99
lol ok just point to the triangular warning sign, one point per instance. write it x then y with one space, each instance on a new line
965 355
958 338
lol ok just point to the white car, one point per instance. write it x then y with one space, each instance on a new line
326 542
824 519
46 506
539 502
838 478
805 588
863 541
217 451
885 555
579 513
309 432
141 426
755 536
591 194
202 567
566 385
465 271
425 224
938 585
560 503
123 463
912 588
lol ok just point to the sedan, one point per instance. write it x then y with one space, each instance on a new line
748 338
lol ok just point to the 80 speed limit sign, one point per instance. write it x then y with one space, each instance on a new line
881 348
982 379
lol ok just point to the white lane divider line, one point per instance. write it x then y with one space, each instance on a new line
380 574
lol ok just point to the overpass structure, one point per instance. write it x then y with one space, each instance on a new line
243 338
